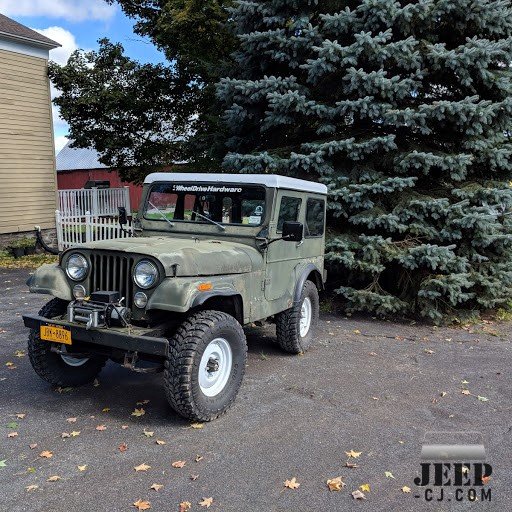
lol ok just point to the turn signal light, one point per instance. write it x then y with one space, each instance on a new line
205 287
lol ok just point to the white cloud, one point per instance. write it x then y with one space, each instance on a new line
60 142
71 10
62 36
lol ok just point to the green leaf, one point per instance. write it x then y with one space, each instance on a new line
483 399
3 463
12 424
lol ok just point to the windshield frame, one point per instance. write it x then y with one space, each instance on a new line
188 223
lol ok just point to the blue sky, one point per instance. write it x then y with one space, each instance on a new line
78 24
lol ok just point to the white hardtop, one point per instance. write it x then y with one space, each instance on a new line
269 180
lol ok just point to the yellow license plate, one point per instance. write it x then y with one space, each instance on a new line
56 334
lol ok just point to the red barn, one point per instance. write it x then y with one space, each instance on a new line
81 168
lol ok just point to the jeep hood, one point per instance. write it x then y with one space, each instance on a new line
192 257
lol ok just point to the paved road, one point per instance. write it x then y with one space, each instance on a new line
369 386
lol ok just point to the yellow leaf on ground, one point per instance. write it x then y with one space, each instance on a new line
46 454
335 484
357 331
199 458
365 487
101 427
148 434
197 426
292 484
82 468
138 412
206 502
54 478
388 474
19 353
105 409
178 464
358 495
428 351
160 442
353 454
142 505
465 392
156 487
142 467
32 487
75 433
185 506
406 489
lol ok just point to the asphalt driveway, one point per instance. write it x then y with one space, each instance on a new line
369 386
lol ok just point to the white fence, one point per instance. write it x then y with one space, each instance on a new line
97 201
78 229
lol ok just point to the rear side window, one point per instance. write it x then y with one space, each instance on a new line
315 213
288 211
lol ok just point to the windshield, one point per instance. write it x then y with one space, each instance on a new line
190 202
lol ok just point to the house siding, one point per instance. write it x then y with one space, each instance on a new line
27 157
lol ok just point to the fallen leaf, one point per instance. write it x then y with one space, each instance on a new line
358 495
199 458
357 331
54 478
483 399
105 409
372 353
464 381
465 470
335 484
9 364
292 484
178 464
485 479
351 465
156 487
428 351
12 425
65 435
206 502
138 412
160 442
20 416
46 454
406 489
142 505
32 446
31 470
148 434
32 487
465 392
3 463
388 474
123 447
124 427
443 394
82 468
185 506
75 433
365 487
12 434
143 402
19 353
197 426
101 427
96 383
353 454
194 477
71 420
142 467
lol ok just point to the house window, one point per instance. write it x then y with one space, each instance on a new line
288 211
315 216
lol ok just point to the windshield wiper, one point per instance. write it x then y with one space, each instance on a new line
210 220
162 214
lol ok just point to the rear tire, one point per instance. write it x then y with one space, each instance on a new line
295 327
52 367
205 366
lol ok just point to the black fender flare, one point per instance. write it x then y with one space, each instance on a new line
201 298
306 271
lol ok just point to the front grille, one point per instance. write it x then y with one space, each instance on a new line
111 272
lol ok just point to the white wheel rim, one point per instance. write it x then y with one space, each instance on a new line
72 361
215 367
306 312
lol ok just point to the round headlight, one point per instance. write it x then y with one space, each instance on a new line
145 274
77 267
79 292
140 299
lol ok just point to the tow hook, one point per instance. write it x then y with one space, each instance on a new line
130 360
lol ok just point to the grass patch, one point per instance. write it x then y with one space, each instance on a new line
31 261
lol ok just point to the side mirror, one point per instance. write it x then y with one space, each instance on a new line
293 231
123 218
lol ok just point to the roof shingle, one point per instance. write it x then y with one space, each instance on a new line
14 30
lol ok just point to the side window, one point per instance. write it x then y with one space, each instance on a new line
315 209
289 210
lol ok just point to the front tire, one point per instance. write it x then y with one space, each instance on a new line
206 365
60 370
295 327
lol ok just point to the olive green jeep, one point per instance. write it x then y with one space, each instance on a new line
211 253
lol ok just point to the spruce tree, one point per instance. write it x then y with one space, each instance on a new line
403 108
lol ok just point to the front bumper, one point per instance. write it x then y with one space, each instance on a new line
117 338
